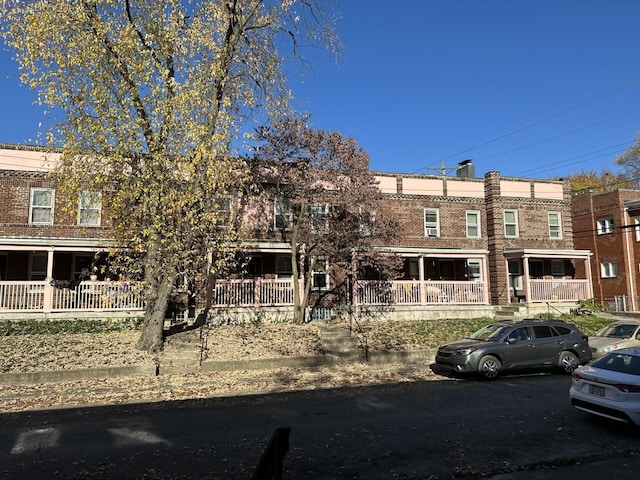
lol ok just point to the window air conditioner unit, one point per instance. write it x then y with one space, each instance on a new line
432 232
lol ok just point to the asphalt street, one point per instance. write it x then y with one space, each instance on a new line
518 427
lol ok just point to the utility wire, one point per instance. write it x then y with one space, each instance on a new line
550 117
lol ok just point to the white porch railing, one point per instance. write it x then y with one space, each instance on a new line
255 291
87 296
561 290
411 292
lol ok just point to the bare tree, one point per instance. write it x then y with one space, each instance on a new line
328 206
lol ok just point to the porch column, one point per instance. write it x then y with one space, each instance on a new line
485 280
525 278
47 301
423 290
587 269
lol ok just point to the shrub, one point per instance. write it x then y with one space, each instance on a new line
74 325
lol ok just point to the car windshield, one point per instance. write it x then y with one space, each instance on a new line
490 333
617 331
619 362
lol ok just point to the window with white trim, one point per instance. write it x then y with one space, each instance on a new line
41 206
320 275
636 222
605 226
555 225
510 223
473 224
608 269
320 217
90 205
223 212
431 222
474 270
282 214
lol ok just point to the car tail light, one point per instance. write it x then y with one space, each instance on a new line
623 387
575 376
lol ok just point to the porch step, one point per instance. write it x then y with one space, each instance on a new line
510 312
181 353
337 341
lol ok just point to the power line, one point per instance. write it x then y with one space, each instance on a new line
550 117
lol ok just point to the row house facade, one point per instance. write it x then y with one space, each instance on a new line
469 246
608 224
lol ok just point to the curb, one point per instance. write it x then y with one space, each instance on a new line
374 358
30 378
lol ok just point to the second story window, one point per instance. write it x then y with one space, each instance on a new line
89 209
431 222
320 217
473 224
555 230
41 207
511 223
605 226
223 211
636 223
282 215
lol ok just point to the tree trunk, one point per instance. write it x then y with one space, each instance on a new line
152 337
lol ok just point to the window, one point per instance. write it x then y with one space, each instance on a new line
282 215
82 266
557 269
283 267
636 222
474 270
223 211
319 275
543 331
89 210
473 224
431 222
555 230
511 223
605 226
414 269
608 269
41 207
38 266
367 221
320 217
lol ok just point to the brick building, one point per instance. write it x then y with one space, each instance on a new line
469 246
608 224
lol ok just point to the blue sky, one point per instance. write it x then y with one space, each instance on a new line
529 88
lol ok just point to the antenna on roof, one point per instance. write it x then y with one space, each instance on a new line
465 166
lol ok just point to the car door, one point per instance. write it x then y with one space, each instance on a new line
547 345
518 349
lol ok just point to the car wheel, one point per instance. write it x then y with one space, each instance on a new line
568 362
489 367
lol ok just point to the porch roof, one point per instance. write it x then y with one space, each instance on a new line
546 253
436 252
52 243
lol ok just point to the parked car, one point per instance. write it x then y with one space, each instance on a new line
610 386
512 345
621 334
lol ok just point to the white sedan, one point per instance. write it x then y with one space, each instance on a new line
610 386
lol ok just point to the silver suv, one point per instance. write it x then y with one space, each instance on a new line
513 345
